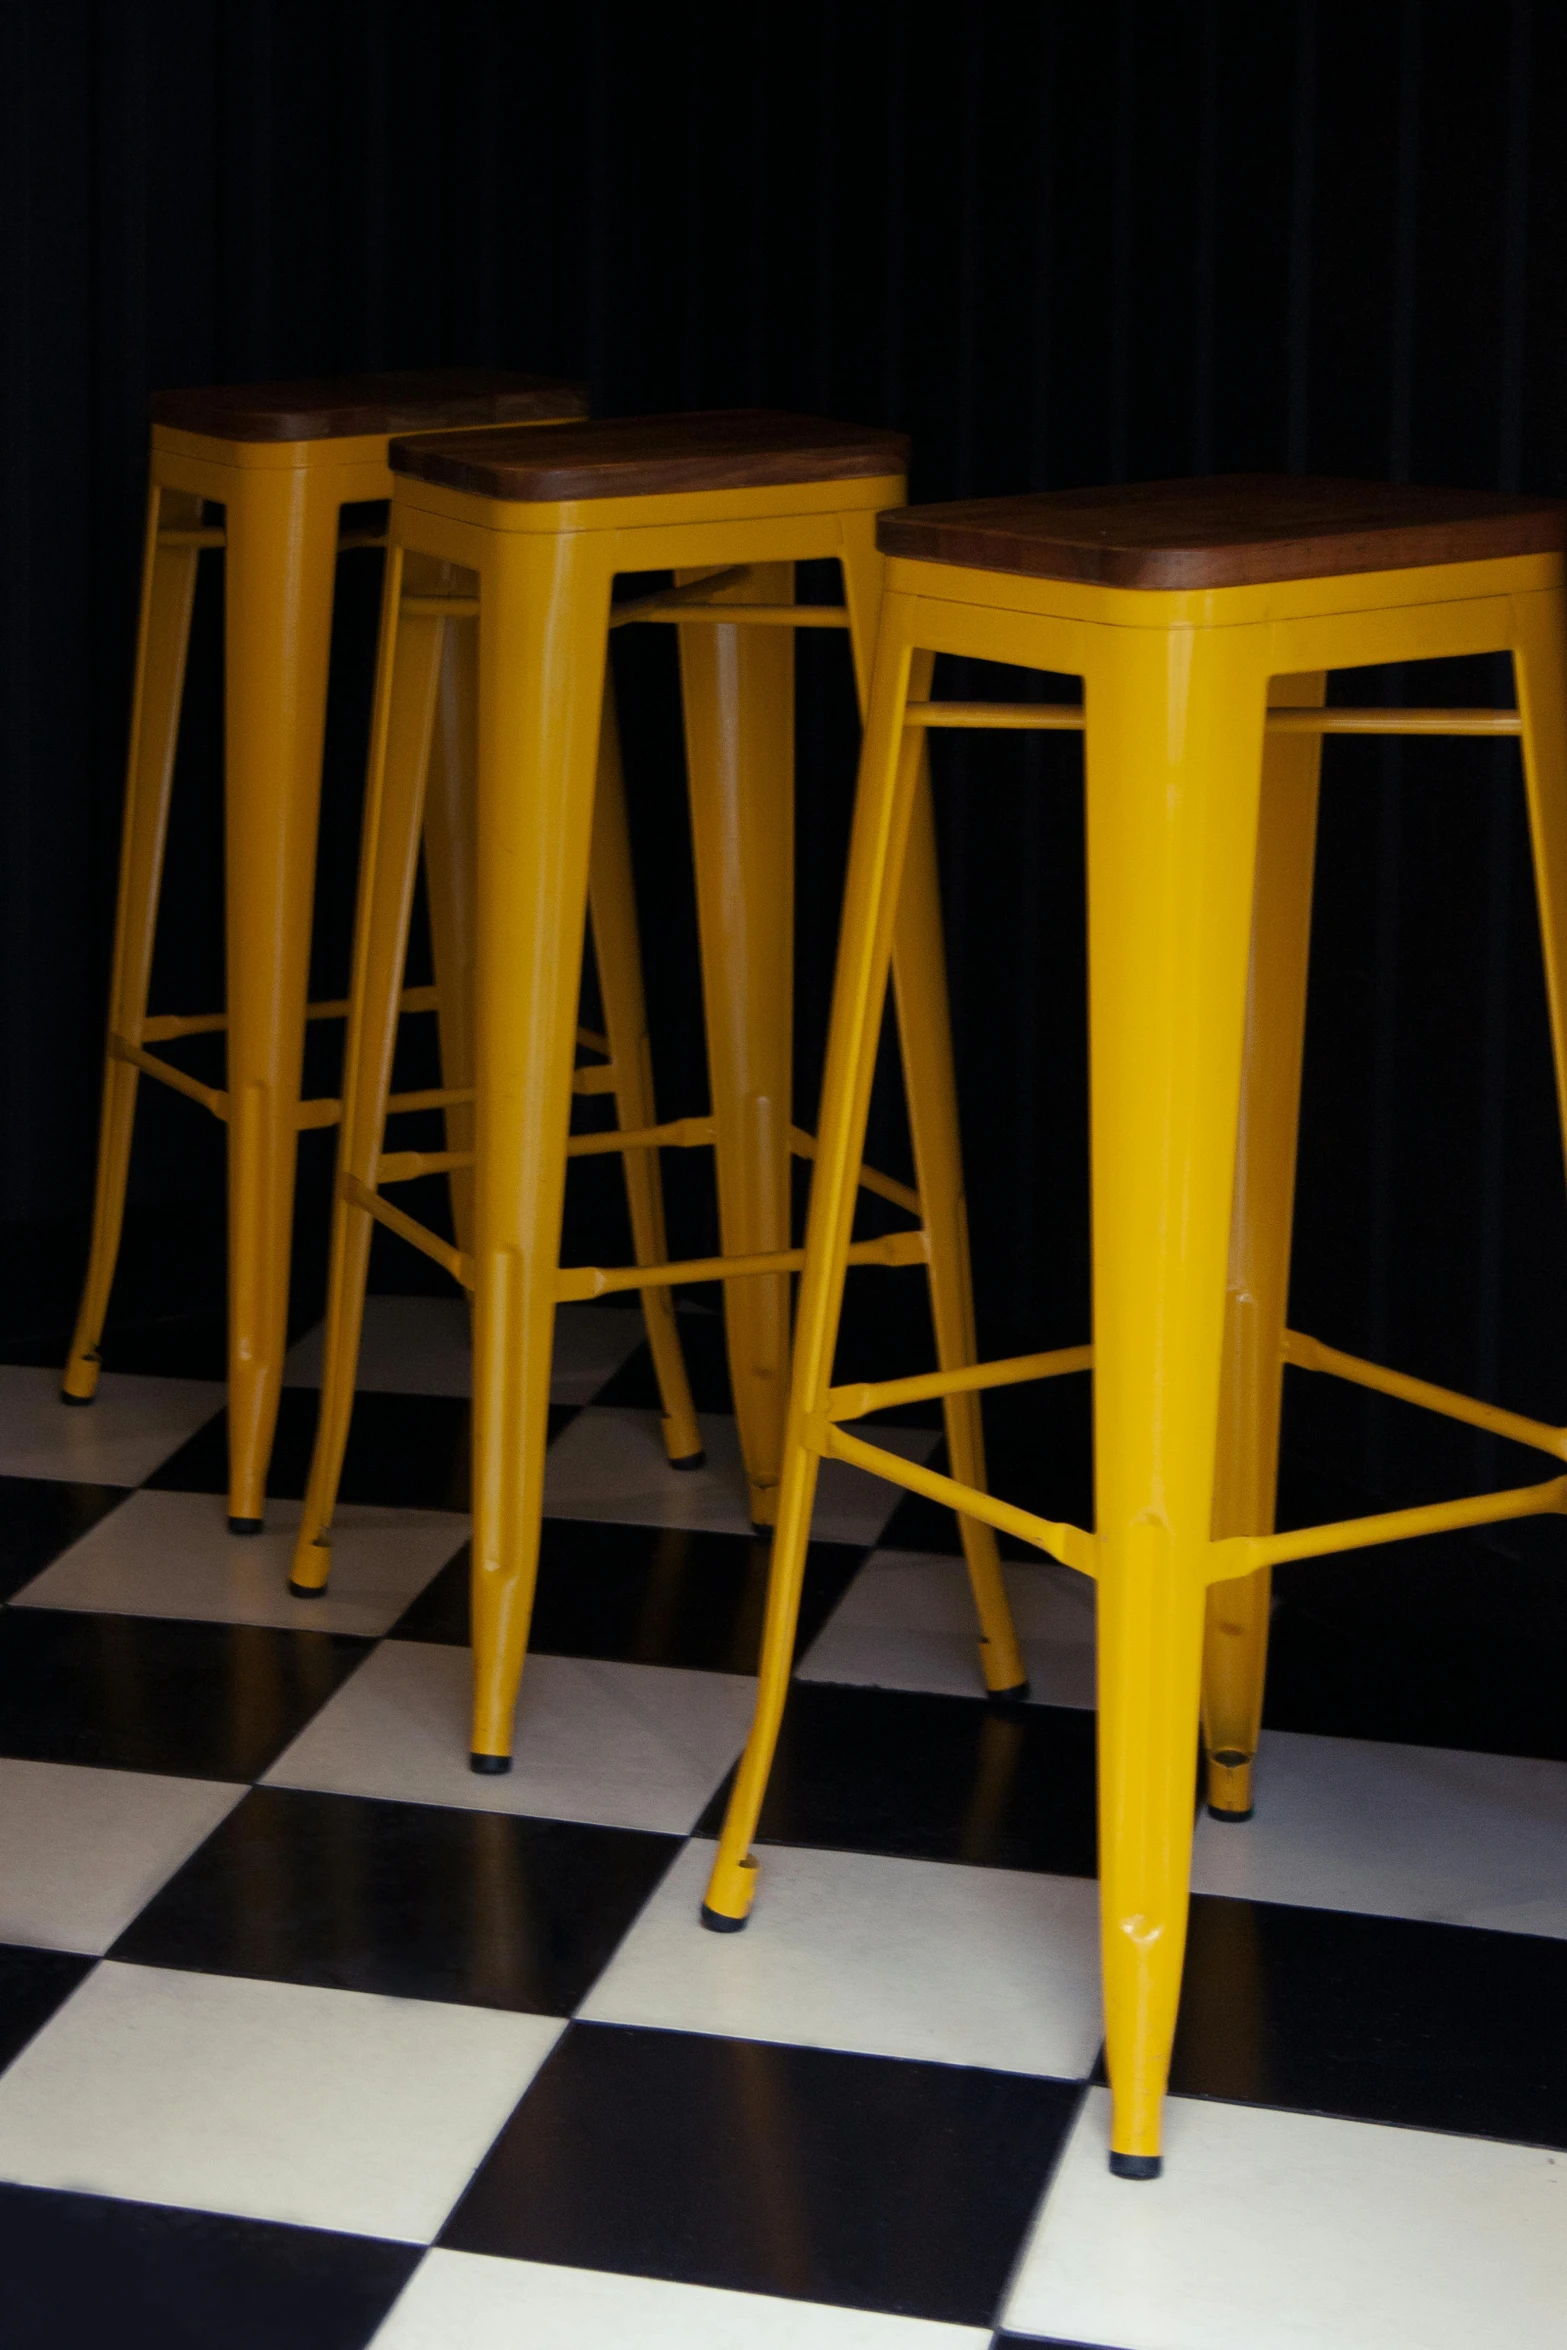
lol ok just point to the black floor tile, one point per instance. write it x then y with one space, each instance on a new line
40 1517
931 1778
647 1595
1039 2342
1398 2020
803 2172
32 1985
404 1451
142 1693
84 2270
406 1899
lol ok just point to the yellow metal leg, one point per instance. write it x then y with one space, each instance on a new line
1539 632
451 875
544 616
739 704
1235 1651
168 591
890 769
618 954
925 1030
280 566
1174 747
406 692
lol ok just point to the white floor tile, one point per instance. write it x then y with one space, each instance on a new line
630 1746
890 1957
483 2304
330 2109
907 1622
421 1346
1287 2231
132 1425
611 1464
171 1554
1400 1831
82 1851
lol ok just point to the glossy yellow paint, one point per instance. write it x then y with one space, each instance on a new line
1200 832
541 576
282 534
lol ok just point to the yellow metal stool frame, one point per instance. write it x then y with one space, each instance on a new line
543 569
1201 802
282 461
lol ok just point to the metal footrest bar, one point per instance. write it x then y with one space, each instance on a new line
803 1146
1068 718
211 1097
686 603
1242 1554
214 535
163 1027
1072 1545
852 1403
417 1235
1311 1355
575 1282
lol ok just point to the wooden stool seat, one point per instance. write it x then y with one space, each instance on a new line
1230 530
347 407
653 456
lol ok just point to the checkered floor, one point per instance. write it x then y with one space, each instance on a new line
313 2038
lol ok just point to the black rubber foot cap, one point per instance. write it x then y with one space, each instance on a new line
716 1922
691 1460
489 1766
1231 1819
1136 2166
1013 1696
82 1401
307 1590
246 1525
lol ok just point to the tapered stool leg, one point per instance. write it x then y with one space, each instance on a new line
451 876
739 707
890 771
407 683
1539 630
544 616
1235 1653
1173 784
618 955
280 566
168 592
925 1032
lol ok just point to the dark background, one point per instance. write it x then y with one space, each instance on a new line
1060 244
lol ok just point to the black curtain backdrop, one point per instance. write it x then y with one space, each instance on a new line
1058 243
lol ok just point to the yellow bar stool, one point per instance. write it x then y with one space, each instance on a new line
1202 618
541 523
281 460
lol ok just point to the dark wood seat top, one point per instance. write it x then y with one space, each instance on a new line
340 407
648 456
1228 530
